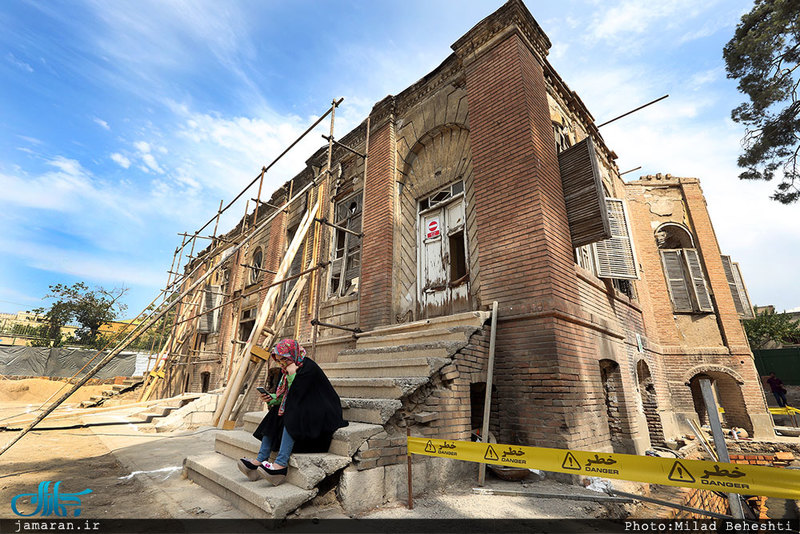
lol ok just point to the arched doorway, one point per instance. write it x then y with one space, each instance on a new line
647 391
611 378
728 395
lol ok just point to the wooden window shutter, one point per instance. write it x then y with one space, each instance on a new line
698 284
583 194
735 282
748 307
676 280
615 257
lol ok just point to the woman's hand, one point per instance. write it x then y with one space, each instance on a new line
291 368
266 397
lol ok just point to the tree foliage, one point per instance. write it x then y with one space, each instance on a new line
770 327
763 55
91 309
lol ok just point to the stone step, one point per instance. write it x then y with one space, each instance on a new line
306 470
259 498
428 335
118 387
346 440
385 368
435 349
372 411
472 318
154 412
377 388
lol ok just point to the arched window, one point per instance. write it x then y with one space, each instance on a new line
256 264
683 269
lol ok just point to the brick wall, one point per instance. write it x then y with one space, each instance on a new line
375 293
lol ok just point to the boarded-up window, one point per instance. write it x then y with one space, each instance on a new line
209 321
686 282
583 194
615 256
736 283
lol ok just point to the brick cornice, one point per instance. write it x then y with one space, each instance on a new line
512 17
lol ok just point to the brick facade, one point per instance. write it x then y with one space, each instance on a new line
581 362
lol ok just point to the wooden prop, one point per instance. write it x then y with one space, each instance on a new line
225 405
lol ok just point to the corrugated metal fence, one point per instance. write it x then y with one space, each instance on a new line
785 363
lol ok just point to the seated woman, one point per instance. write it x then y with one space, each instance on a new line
304 413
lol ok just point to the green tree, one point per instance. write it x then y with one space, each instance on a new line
763 55
91 309
770 327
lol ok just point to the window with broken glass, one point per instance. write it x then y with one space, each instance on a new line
346 254
256 262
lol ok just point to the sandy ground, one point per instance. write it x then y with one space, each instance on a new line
36 390
136 473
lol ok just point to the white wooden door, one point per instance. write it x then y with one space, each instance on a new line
443 280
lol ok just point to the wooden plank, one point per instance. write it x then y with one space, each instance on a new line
224 408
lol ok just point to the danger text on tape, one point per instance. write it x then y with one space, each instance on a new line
720 476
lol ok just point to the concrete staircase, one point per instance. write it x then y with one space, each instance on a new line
392 362
217 471
387 365
115 389
165 408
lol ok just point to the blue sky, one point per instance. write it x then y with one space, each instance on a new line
123 123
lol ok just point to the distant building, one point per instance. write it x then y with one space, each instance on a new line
22 327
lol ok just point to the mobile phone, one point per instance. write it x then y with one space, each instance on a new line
261 390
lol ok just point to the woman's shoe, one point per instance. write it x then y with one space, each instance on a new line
275 476
249 468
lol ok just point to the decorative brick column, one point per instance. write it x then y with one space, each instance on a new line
375 291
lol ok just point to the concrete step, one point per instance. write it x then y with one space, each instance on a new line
385 368
118 387
428 335
346 440
259 499
435 349
473 318
377 388
154 412
306 470
372 411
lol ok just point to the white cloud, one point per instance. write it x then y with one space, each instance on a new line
86 265
103 124
121 160
142 147
18 63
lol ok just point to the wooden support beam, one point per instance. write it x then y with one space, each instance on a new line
225 405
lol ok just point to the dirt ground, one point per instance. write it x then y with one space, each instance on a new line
78 459
37 390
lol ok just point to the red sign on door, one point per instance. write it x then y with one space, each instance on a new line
433 228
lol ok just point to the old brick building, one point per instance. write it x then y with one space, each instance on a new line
480 186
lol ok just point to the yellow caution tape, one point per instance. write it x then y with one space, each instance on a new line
719 476
784 411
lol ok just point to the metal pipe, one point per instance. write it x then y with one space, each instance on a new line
133 335
337 143
631 170
355 330
487 398
408 460
274 161
324 191
719 440
633 111
342 228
